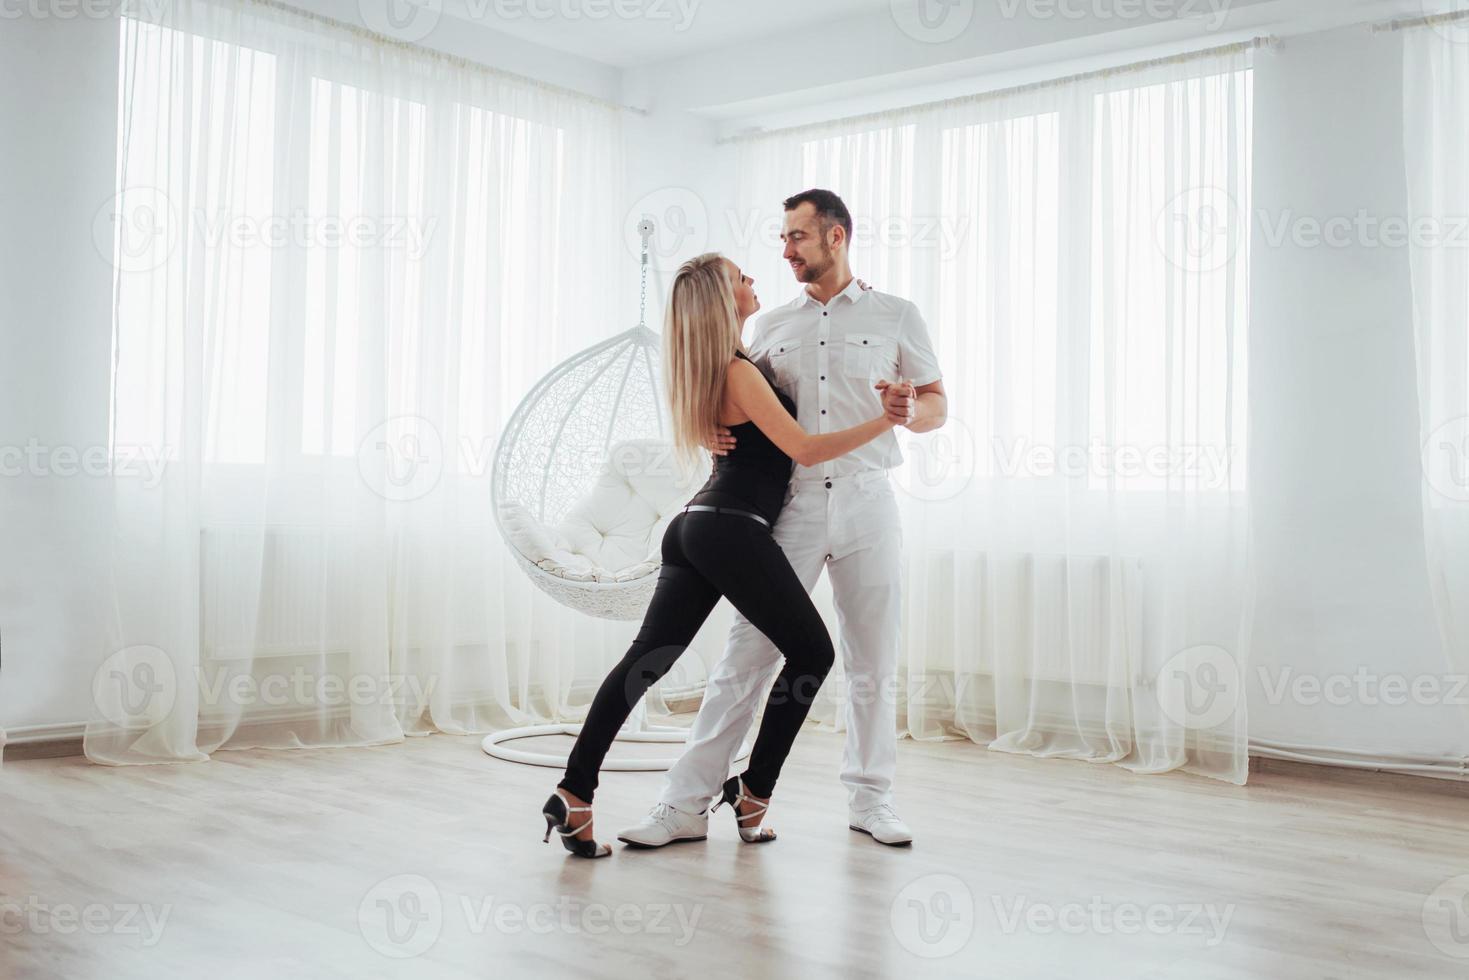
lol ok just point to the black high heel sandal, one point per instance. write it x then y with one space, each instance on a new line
734 795
557 812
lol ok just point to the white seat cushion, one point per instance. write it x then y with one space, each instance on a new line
614 533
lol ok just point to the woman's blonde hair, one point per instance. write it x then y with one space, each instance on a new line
701 333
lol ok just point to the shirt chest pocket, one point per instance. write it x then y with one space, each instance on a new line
870 356
785 364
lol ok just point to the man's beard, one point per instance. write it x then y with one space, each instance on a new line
809 273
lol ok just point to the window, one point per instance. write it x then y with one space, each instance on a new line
1080 253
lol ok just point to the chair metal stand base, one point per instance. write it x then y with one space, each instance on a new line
637 729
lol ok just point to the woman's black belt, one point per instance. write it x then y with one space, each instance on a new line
706 509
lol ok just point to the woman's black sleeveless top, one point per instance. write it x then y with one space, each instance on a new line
754 476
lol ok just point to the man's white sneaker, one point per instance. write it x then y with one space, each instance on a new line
665 825
882 823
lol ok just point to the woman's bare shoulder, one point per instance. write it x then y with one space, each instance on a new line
743 376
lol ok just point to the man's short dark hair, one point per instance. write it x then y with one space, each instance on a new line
830 209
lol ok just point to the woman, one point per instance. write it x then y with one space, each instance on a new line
721 545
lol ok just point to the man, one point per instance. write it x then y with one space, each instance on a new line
833 349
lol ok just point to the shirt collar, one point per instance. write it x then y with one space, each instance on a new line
854 293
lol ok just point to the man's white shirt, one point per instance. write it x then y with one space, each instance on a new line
827 359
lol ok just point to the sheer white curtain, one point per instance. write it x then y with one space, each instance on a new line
1076 538
1436 107
340 263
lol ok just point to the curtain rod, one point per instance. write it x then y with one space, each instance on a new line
1435 20
980 97
423 50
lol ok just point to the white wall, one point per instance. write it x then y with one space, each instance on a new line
676 173
58 114
1335 461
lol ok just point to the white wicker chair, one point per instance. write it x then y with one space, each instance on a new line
559 441
597 417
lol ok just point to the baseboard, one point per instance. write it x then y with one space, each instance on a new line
43 742
1408 781
1446 768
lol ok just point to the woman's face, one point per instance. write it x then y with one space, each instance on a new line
746 302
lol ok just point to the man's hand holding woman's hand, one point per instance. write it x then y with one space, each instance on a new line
899 401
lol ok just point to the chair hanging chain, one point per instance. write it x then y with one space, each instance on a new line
645 228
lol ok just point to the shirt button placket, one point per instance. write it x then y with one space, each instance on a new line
825 365
823 352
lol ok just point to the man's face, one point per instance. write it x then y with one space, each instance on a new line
807 249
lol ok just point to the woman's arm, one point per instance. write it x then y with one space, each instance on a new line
754 397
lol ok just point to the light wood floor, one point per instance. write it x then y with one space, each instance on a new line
425 859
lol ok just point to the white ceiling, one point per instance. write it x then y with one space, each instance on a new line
663 29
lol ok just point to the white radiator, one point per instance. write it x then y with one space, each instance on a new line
306 578
1072 619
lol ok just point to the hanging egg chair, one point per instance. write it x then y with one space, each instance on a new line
583 487
597 421
584 483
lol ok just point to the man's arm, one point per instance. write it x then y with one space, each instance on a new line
920 409
758 400
924 407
